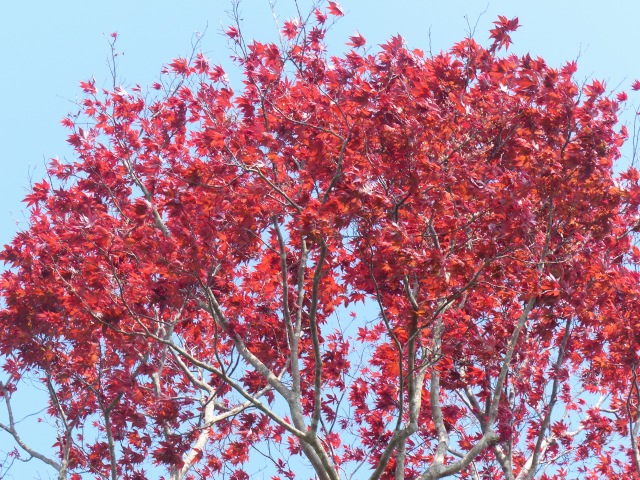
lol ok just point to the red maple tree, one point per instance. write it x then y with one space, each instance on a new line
376 265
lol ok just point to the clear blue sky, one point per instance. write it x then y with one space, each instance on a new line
47 47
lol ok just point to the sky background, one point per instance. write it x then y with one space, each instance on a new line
47 47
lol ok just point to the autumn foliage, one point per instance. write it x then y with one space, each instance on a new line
379 265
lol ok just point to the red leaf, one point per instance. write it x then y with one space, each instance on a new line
39 193
595 88
180 66
88 86
500 34
232 32
320 17
290 29
201 64
357 40
335 10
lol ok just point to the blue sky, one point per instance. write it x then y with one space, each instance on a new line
47 47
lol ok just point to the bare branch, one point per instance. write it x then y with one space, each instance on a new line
11 430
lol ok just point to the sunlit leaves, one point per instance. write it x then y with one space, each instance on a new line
356 40
315 241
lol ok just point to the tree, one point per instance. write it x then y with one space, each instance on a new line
375 265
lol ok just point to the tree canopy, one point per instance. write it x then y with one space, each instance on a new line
381 264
